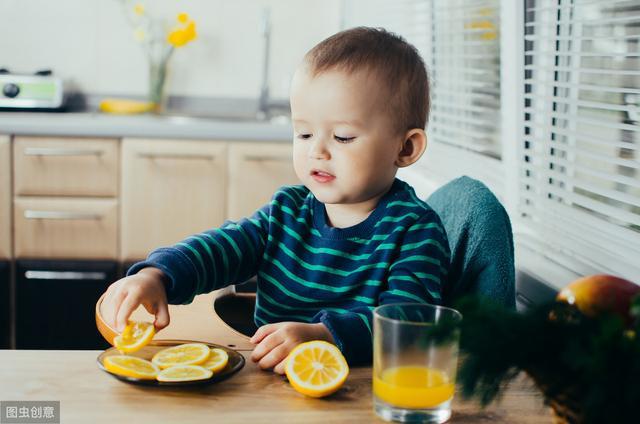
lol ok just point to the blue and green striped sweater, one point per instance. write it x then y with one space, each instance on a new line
308 271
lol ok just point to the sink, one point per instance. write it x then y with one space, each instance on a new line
230 110
180 117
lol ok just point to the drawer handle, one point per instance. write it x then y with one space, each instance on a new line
175 156
50 151
256 158
29 214
64 275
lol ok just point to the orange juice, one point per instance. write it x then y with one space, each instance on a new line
413 387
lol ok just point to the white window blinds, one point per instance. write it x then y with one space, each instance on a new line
465 68
580 185
460 44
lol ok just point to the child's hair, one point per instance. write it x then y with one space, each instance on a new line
395 62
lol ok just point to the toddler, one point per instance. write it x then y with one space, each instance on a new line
352 237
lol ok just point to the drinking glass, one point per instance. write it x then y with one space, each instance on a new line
414 361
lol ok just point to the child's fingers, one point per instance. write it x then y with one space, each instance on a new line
129 304
274 357
162 316
160 311
279 369
115 303
265 346
263 332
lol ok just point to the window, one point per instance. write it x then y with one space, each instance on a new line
580 185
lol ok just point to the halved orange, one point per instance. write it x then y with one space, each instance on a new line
131 366
217 360
184 354
135 336
316 368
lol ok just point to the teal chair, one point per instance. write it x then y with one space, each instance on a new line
480 239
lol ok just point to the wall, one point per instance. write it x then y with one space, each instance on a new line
91 42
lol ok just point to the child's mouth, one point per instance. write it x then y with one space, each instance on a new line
321 176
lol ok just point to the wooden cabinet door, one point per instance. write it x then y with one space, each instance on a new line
170 190
5 197
55 166
66 227
256 170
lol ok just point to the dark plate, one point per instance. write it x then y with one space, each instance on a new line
235 364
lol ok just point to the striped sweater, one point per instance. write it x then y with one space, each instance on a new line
308 271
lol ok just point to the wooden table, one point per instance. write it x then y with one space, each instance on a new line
88 395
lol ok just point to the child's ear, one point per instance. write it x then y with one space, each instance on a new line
413 146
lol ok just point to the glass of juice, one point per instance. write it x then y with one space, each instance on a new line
414 361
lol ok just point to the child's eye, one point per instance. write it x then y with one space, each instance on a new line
343 139
303 136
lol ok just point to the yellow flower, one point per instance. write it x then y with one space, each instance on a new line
138 9
139 34
180 36
183 18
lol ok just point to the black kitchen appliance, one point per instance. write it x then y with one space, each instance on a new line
55 303
5 305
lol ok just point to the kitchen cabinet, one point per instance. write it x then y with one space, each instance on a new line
55 303
65 218
5 241
5 197
256 170
65 198
170 190
83 207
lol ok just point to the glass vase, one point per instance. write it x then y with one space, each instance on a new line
158 67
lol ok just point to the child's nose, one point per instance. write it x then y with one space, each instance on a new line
318 149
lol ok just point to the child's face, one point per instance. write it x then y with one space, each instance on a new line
345 146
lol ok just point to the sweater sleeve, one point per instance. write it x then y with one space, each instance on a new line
416 276
211 260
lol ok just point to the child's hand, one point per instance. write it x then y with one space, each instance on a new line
125 295
275 341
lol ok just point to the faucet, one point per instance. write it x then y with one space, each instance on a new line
265 103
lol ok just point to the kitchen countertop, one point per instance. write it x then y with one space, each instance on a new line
87 394
95 124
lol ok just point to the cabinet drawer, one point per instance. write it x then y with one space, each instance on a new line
5 198
47 166
171 189
256 170
66 228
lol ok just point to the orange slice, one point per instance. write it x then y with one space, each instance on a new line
216 361
131 366
184 373
135 336
316 368
184 354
